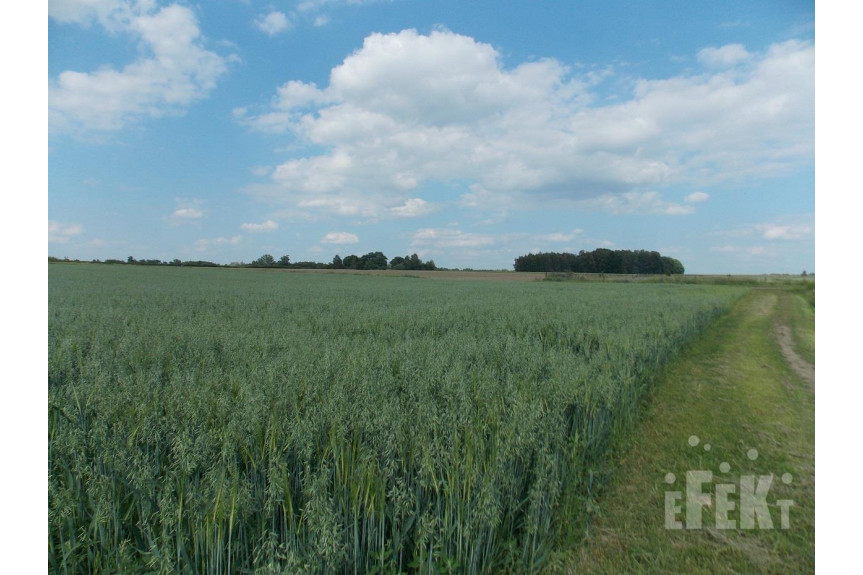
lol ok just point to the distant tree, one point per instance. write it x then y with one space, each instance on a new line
351 262
265 261
398 263
337 262
671 266
285 261
373 261
130 260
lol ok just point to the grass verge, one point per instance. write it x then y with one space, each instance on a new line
733 391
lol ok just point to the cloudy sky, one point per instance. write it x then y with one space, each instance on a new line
467 132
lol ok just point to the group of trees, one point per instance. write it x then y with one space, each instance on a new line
600 261
411 262
133 261
369 261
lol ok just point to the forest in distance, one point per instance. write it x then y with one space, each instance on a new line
601 261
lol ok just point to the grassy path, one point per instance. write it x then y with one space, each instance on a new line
734 391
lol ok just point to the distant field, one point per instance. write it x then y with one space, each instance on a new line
436 274
719 279
504 275
234 420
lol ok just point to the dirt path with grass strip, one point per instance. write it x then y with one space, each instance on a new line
804 369
734 403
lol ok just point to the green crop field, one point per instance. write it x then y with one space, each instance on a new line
239 421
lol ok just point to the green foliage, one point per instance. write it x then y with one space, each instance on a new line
734 389
265 261
221 421
411 262
600 261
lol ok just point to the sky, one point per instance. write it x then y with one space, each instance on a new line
469 133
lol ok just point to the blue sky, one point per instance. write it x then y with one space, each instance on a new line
467 132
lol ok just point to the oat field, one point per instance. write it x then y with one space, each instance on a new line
238 421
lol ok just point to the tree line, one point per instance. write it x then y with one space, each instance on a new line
369 261
600 261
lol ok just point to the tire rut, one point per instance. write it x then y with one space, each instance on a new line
804 369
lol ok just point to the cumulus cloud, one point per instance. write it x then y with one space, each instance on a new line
273 23
340 238
696 197
640 203
177 71
412 208
187 214
407 110
746 252
204 245
561 237
111 14
437 238
267 226
784 232
61 233
788 228
723 56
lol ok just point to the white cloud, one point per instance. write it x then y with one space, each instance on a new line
204 245
412 208
696 197
340 238
267 226
178 72
273 23
559 237
789 227
315 5
437 238
407 110
784 232
60 233
746 252
187 214
723 56
111 14
639 203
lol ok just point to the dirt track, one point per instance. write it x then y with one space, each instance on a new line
801 367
